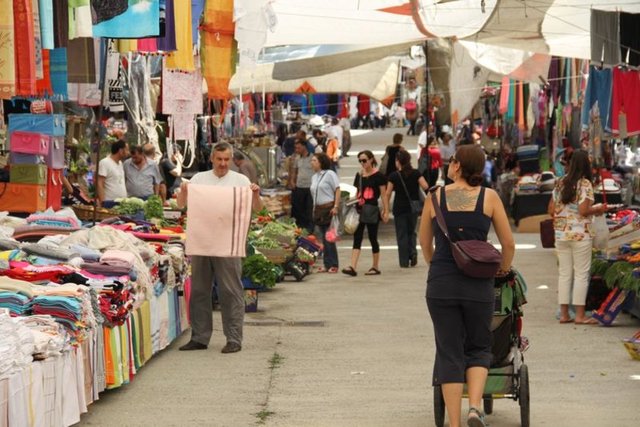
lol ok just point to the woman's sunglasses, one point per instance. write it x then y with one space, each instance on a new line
363 160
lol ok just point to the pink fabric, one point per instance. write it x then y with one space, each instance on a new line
504 95
219 219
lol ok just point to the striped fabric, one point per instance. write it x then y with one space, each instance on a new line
219 219
24 48
7 59
219 48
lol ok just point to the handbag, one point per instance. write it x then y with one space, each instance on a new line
547 234
416 205
322 213
476 258
369 214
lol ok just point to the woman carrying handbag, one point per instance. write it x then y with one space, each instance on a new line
407 206
371 184
461 306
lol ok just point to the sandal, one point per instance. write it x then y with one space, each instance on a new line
349 271
372 272
321 270
332 270
476 420
587 321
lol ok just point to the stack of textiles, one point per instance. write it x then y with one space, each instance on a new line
69 304
53 220
16 303
26 271
16 345
50 338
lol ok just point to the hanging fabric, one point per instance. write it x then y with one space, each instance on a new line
181 92
504 95
197 7
605 37
521 101
80 21
511 110
37 39
24 48
182 58
81 60
46 23
43 86
61 23
167 41
103 10
598 90
141 19
58 60
218 47
624 102
7 52
629 40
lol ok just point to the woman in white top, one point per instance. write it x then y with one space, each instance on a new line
572 209
325 191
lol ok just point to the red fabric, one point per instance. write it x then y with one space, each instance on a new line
147 45
25 50
43 85
364 105
344 107
436 157
626 92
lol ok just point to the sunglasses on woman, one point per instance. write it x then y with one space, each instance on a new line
363 160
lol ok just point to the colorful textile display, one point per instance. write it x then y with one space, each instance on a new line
24 47
7 52
182 58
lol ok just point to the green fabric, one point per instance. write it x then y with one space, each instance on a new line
78 3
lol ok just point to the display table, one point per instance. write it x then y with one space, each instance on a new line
528 204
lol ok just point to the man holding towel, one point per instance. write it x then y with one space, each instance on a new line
225 270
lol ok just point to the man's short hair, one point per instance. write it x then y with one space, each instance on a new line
149 150
237 155
118 145
136 149
221 146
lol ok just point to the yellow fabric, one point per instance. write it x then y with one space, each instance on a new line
182 58
218 47
126 45
124 348
7 60
145 311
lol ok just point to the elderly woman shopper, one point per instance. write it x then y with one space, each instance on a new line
461 307
371 184
407 183
572 209
325 190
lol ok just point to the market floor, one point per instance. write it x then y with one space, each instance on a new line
358 351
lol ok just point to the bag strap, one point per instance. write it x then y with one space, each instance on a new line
405 186
318 188
439 217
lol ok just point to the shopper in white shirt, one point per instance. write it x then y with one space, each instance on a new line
447 149
110 182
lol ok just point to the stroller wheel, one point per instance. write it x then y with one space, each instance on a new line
523 395
487 405
438 406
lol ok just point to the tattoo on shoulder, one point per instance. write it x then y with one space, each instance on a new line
461 200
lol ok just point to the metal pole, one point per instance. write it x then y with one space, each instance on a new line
426 85
103 82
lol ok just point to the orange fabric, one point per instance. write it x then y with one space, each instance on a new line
521 101
332 149
43 85
306 87
24 47
109 373
218 47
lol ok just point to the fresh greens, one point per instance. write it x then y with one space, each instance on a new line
129 206
260 271
153 208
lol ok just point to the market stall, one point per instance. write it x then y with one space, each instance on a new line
82 310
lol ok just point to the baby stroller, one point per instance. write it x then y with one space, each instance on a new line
508 374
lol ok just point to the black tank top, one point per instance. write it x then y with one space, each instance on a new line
445 279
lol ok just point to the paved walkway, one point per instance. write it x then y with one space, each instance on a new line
340 351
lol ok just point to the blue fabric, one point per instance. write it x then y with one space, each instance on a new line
46 23
197 7
58 72
599 89
47 124
140 20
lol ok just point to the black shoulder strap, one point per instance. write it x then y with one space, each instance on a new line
439 217
406 190
480 201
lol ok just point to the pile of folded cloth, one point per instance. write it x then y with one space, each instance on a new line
17 304
16 345
49 337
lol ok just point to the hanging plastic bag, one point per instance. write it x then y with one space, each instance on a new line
333 233
600 232
351 220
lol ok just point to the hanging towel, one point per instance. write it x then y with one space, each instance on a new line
521 101
511 110
598 90
629 40
605 34
218 47
24 48
61 23
81 60
167 41
178 90
37 39
46 23
182 58
58 60
80 21
103 10
219 219
7 52
626 92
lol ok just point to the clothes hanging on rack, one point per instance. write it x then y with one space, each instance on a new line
626 93
629 40
605 37
598 91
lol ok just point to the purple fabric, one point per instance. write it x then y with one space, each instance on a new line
168 41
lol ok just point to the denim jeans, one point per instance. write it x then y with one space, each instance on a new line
406 237
330 251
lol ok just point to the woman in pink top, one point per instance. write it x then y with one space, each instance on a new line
435 161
